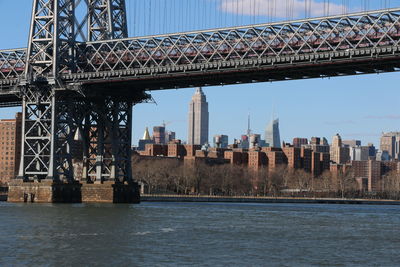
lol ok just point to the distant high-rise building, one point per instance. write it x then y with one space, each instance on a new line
159 135
272 136
244 141
254 140
318 144
315 141
359 153
324 141
351 143
221 141
382 155
372 150
198 119
390 142
338 153
169 136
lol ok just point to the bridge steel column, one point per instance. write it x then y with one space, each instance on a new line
47 138
37 133
107 135
121 141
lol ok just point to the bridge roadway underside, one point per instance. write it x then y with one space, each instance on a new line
253 74
131 82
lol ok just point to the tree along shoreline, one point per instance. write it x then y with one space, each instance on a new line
174 177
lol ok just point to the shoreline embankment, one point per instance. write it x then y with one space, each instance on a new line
260 200
251 199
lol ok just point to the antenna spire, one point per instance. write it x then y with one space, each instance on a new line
248 124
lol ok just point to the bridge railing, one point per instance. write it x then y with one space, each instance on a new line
272 43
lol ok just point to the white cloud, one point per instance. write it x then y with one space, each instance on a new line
279 9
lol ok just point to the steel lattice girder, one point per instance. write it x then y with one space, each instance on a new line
12 63
107 20
338 38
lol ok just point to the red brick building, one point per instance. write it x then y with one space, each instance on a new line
257 159
191 150
316 164
237 157
275 158
10 147
176 150
370 170
292 157
306 157
155 150
325 161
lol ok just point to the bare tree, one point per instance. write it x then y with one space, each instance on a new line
391 185
346 182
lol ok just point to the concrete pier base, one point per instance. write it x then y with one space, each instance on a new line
51 192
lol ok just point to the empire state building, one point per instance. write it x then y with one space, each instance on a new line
198 119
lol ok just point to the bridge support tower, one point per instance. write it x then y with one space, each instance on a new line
56 119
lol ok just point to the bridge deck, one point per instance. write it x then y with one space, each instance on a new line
351 44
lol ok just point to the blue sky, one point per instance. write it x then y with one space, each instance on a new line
359 107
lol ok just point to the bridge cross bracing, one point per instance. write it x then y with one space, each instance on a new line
60 79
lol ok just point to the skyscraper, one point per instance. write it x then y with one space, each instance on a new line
390 142
198 119
159 134
339 154
272 136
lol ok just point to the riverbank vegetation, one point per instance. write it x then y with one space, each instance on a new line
172 176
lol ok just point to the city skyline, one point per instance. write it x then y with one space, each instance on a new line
357 107
364 121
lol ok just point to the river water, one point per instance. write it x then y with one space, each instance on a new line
199 234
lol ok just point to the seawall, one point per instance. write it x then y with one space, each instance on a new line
226 199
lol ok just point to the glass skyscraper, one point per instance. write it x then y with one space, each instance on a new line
272 136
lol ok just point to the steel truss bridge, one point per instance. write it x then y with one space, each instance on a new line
88 87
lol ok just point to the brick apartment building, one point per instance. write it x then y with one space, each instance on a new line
257 160
10 147
369 173
292 157
269 158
